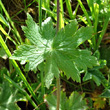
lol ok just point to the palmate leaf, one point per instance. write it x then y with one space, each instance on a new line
59 51
106 93
96 75
74 102
51 70
29 53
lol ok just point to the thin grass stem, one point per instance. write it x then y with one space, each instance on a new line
103 31
42 88
85 12
19 40
22 91
42 75
25 4
68 5
61 15
40 13
23 9
58 93
15 65
7 36
75 11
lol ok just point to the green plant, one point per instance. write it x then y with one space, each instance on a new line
18 37
75 101
50 54
9 96
15 65
99 11
96 75
59 51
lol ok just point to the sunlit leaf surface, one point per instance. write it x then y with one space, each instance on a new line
59 51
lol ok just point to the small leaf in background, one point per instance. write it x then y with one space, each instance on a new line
3 71
74 102
98 101
106 93
9 96
96 75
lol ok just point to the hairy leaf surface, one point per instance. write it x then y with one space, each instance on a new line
58 50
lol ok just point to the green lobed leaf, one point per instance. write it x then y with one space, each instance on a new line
95 75
32 32
59 51
67 66
51 70
47 29
106 93
74 102
29 53
64 36
83 34
65 40
83 59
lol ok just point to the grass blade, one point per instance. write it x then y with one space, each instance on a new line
61 15
21 90
103 30
68 5
85 12
18 69
19 41
40 13
4 32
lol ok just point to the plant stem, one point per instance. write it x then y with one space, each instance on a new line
58 93
58 79
42 90
95 17
6 35
40 13
58 11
